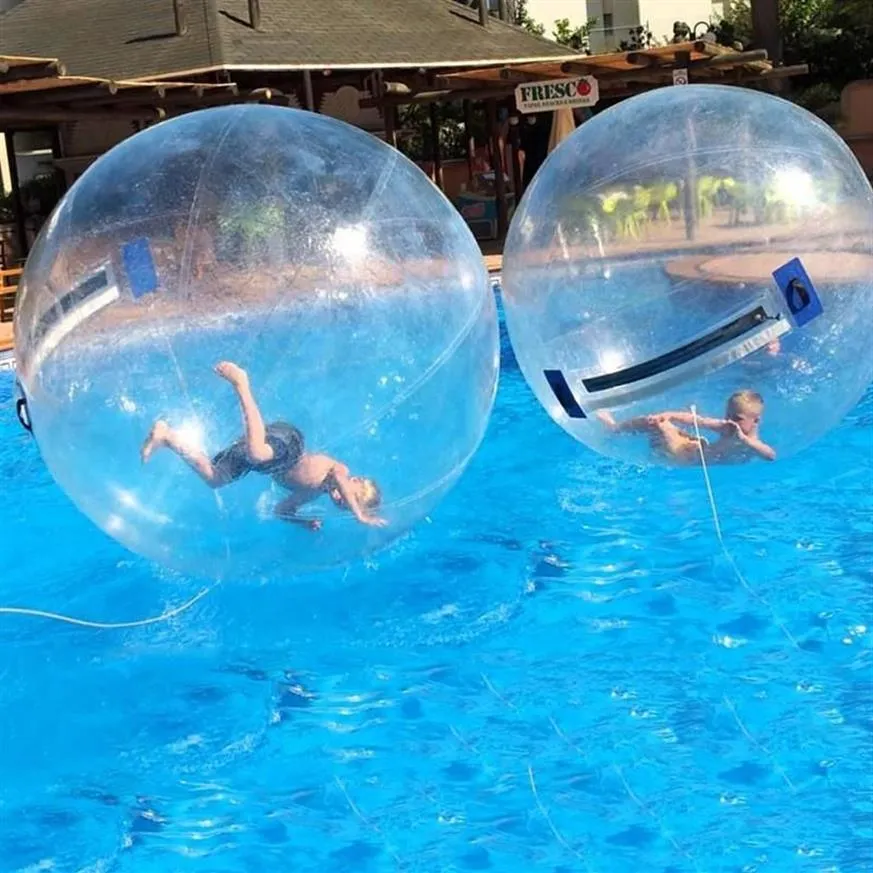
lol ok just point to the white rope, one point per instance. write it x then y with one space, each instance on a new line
706 479
718 532
101 625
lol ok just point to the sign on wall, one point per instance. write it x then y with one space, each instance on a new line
680 77
556 94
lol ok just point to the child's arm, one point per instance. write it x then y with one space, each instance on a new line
717 424
344 486
760 447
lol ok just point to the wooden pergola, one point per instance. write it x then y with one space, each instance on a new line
39 91
619 75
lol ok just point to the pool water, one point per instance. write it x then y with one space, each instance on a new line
558 671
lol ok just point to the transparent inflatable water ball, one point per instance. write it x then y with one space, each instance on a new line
700 247
253 341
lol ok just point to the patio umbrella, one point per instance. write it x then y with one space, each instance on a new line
563 124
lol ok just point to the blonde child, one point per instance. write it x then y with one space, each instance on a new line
738 431
275 450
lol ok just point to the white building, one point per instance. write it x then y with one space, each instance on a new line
615 19
547 12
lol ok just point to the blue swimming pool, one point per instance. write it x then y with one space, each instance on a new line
559 671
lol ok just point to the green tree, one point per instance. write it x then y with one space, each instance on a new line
639 39
523 19
576 38
835 37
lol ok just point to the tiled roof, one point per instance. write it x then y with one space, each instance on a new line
137 38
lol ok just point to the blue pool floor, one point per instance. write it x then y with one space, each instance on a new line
558 671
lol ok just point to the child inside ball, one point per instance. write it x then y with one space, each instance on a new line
276 450
739 439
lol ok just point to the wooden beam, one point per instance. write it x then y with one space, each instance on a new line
397 89
459 83
51 115
646 59
140 98
66 94
13 73
785 72
731 59
446 96
579 68
268 94
509 75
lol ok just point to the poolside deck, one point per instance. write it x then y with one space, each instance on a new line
492 253
848 260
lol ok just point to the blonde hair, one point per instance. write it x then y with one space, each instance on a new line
741 401
373 498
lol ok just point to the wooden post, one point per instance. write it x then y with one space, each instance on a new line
515 142
483 13
389 115
765 26
435 147
503 10
17 204
689 187
470 140
307 88
497 166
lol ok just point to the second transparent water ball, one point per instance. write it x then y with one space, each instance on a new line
700 247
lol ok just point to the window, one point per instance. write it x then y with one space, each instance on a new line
607 24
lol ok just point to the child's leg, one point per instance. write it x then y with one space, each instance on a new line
287 510
663 433
163 436
676 443
640 424
257 447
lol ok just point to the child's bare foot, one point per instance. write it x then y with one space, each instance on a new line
233 373
157 438
607 419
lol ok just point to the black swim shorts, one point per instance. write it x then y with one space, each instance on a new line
284 439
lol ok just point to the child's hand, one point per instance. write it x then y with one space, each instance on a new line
733 430
660 422
313 524
373 521
232 372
